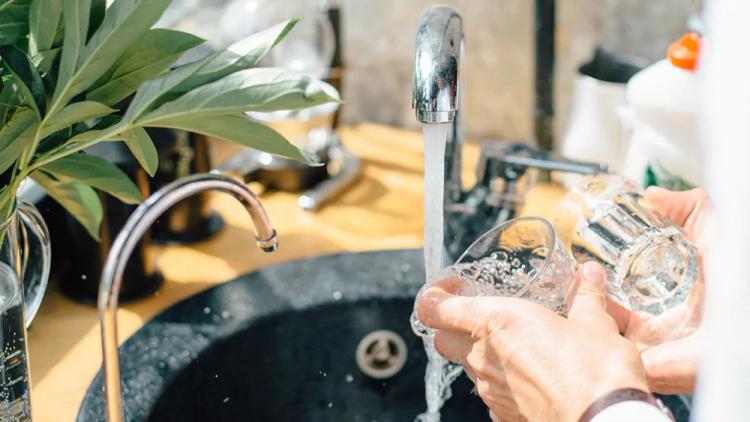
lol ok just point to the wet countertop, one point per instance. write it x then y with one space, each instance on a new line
383 210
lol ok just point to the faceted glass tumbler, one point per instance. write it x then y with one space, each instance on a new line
650 263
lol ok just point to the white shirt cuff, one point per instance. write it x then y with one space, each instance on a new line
631 411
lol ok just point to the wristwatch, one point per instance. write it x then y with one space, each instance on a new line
622 395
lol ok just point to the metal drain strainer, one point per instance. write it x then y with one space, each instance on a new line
381 354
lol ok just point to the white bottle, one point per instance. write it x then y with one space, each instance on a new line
663 100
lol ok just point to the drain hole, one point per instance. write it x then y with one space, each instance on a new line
381 354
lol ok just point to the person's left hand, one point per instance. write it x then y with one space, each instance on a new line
670 343
527 362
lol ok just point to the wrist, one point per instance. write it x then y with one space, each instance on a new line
623 396
593 393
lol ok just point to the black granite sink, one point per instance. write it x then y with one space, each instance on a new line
280 345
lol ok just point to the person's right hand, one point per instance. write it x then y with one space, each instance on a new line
669 343
527 362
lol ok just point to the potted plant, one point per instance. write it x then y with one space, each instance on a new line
67 66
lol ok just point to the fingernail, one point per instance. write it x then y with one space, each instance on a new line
655 189
593 273
432 295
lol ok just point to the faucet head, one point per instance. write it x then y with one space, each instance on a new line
269 244
436 65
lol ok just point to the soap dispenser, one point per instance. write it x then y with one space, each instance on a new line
664 146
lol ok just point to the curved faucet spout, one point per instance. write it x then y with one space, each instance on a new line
437 58
436 92
437 61
138 223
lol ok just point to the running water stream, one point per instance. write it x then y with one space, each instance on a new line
440 373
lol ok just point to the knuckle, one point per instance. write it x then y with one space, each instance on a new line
440 342
484 390
426 309
490 324
477 360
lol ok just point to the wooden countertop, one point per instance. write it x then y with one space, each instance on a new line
383 210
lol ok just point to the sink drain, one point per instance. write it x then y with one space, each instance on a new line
381 354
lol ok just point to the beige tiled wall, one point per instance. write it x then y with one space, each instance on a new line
379 44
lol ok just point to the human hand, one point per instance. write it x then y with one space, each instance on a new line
527 362
669 343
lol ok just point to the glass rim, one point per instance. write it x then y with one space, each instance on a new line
503 226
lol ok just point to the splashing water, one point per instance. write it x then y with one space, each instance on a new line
440 373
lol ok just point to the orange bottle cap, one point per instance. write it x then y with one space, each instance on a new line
684 52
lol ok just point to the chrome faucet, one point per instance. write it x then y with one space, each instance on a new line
436 89
138 223
502 173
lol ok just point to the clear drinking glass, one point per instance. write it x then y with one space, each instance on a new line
650 263
522 258
14 370
25 257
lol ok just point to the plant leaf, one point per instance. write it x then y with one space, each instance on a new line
143 149
74 113
98 9
238 128
76 19
261 89
97 173
150 56
14 20
175 83
124 22
90 135
248 52
45 19
8 102
16 135
44 60
80 200
26 78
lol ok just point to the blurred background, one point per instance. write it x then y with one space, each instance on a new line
377 41
379 55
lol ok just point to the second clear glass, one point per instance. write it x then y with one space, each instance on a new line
652 265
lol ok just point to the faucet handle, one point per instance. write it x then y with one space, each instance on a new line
509 161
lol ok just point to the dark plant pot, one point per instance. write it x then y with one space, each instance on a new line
87 256
182 154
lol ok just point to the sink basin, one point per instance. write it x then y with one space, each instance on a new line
281 344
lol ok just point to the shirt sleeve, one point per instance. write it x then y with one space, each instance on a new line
631 411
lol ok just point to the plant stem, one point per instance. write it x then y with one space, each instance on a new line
63 151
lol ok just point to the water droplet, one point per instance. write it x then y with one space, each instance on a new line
225 314
206 310
349 378
83 277
226 399
330 405
337 295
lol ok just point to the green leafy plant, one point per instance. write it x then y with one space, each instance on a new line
67 66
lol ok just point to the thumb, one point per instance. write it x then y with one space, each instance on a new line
587 304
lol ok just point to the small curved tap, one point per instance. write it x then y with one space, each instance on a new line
138 223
